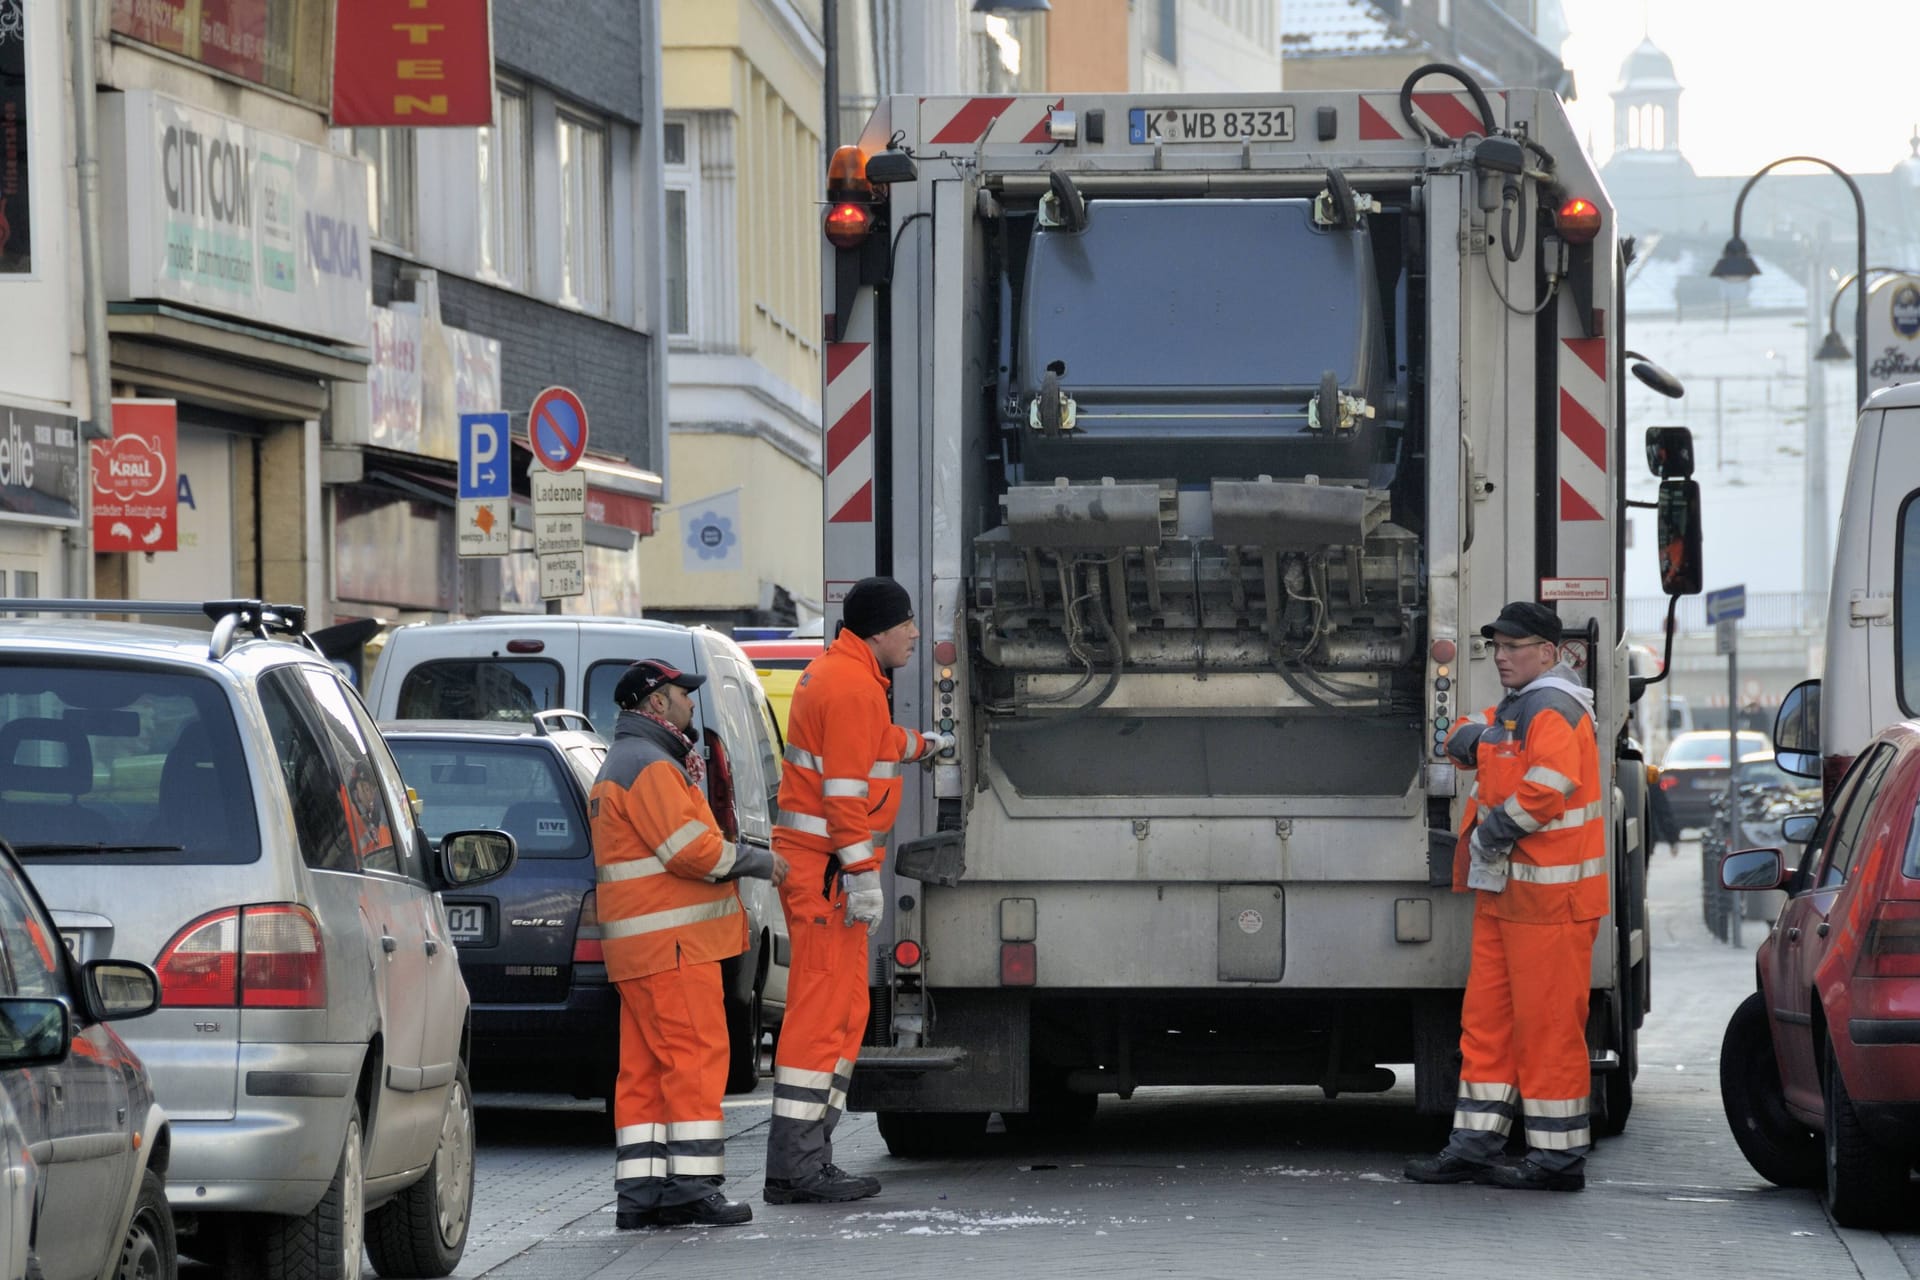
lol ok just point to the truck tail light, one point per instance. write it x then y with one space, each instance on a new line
848 224
1578 220
1892 945
906 953
1019 964
586 939
265 957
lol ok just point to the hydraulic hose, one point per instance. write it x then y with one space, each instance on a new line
1465 79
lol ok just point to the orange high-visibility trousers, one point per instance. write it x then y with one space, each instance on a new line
1523 1038
826 1018
669 1139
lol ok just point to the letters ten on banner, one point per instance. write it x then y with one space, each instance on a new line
413 62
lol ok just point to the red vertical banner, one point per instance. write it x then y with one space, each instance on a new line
423 62
136 479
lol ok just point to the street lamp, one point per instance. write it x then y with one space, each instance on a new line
1831 347
1737 264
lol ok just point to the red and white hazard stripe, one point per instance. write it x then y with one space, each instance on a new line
1583 430
849 417
965 122
1452 115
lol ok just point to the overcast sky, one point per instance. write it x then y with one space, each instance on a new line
1763 79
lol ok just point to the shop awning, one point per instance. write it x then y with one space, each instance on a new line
225 364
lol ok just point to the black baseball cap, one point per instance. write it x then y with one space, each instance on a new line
649 676
1525 619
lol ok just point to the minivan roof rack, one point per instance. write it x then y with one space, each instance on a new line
229 617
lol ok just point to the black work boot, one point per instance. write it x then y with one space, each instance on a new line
636 1219
1446 1167
714 1211
830 1185
1528 1176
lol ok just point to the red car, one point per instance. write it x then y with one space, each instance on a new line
1820 1068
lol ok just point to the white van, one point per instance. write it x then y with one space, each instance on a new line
510 667
1872 674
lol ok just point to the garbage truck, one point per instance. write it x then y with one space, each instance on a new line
1206 431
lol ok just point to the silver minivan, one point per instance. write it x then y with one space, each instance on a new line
511 668
225 811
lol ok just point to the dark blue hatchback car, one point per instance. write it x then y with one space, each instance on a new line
529 943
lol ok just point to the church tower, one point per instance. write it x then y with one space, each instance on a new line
1646 105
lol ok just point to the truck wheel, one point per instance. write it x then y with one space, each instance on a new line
423 1230
1780 1148
923 1135
1866 1184
1615 1091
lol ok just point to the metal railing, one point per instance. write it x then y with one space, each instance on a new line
1766 611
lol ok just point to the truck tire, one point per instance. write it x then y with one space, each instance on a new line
1614 1089
925 1135
1780 1148
423 1230
1866 1184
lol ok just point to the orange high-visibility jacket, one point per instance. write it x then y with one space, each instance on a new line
1538 795
665 875
840 791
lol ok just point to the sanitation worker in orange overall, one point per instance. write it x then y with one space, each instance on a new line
1533 853
669 913
839 795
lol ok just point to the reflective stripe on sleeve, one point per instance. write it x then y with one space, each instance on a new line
1574 818
885 769
916 746
653 922
852 853
844 787
1552 777
729 854
1516 811
1558 875
686 835
632 870
804 758
803 822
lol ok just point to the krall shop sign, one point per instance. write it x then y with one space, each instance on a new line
135 490
1893 332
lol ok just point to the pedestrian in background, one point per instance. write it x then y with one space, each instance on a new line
1533 852
839 795
669 913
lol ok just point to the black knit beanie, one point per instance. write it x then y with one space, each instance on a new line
874 605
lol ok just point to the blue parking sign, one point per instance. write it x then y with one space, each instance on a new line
483 456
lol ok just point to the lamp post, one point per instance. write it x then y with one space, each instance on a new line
1832 347
1737 264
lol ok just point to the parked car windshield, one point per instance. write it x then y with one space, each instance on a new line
1710 748
509 786
127 764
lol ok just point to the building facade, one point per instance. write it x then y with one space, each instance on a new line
1376 44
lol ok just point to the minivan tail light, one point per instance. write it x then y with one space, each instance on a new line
1892 945
264 957
586 940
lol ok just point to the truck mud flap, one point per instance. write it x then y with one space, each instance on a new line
987 1033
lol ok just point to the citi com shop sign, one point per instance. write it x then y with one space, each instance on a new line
235 219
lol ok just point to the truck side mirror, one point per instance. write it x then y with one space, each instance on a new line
1678 536
1796 730
1670 452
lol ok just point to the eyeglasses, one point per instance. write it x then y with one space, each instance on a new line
1512 646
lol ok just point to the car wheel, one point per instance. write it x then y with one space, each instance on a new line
1780 1148
925 1134
323 1244
149 1252
745 1024
1866 1184
423 1230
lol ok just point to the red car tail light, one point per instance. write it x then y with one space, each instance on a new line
586 939
266 957
1892 945
1668 781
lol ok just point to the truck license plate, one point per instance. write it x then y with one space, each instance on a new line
1210 124
467 921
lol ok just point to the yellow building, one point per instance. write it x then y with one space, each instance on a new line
740 537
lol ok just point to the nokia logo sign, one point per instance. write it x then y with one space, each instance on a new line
333 246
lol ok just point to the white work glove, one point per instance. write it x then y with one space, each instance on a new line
937 742
866 901
1486 869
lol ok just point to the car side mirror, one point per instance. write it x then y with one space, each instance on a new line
469 858
1799 828
119 989
1796 730
1678 536
1753 869
34 1032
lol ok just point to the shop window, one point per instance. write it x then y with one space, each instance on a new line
505 149
282 44
583 213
